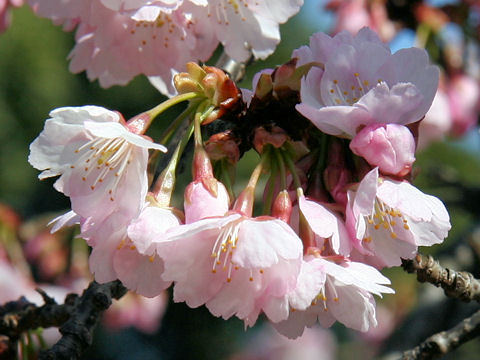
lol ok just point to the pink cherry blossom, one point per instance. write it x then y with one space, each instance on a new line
359 82
389 219
13 282
5 6
327 226
119 39
101 163
268 344
352 15
122 250
246 25
310 282
391 147
201 203
346 296
437 121
152 223
464 98
114 47
230 262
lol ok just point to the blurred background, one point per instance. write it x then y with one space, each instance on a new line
34 79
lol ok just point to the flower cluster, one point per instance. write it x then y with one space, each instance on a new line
334 129
438 27
117 40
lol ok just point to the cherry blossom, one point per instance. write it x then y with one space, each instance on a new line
437 121
345 297
201 203
246 25
122 250
229 262
359 82
328 227
101 163
119 39
389 219
391 147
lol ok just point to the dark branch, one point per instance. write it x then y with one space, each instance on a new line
446 341
77 318
77 332
22 315
457 284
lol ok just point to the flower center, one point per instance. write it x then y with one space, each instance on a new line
159 30
349 92
322 297
384 218
104 159
224 248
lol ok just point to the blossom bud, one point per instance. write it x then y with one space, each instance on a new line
215 85
391 147
282 206
203 171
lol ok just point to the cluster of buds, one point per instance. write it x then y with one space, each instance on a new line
332 129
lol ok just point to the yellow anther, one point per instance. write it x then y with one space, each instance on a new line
214 271
335 81
151 258
393 223
406 227
356 74
393 235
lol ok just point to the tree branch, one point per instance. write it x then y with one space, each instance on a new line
78 329
446 341
77 318
457 284
19 316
